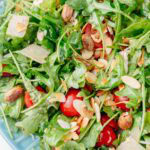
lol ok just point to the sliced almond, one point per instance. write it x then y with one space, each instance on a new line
57 97
92 102
74 129
98 64
85 122
104 62
141 60
108 43
121 86
81 109
73 124
90 77
132 82
79 120
97 112
87 54
63 124
74 136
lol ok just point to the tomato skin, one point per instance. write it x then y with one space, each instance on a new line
106 137
67 107
27 99
122 106
98 45
113 124
6 74
87 29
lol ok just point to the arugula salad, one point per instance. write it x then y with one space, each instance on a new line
76 73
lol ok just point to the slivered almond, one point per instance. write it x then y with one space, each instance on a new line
63 124
87 54
97 112
97 100
113 64
81 109
132 82
104 62
90 77
74 136
121 86
98 64
92 102
108 42
74 129
79 120
85 122
64 85
60 97
141 60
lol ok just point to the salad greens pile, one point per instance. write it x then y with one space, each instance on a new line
76 73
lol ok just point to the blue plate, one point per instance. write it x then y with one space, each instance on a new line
20 141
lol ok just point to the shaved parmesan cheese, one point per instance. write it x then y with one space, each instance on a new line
17 26
130 144
35 52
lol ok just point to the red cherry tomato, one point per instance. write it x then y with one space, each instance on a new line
113 124
27 99
6 74
87 28
67 107
122 99
106 137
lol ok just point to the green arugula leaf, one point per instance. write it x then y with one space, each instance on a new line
91 139
32 119
73 146
76 4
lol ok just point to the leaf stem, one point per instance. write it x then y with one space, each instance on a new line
6 122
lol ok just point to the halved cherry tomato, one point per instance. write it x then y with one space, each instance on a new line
106 137
87 28
27 99
67 107
113 124
6 74
123 99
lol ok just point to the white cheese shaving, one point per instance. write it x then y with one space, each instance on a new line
35 52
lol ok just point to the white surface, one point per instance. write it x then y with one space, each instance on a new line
3 144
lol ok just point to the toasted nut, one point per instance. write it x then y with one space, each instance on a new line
87 41
87 54
13 94
121 86
97 112
132 82
90 77
125 121
85 122
141 60
67 13
125 40
73 129
104 62
81 109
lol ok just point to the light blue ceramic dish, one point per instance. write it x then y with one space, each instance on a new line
20 141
